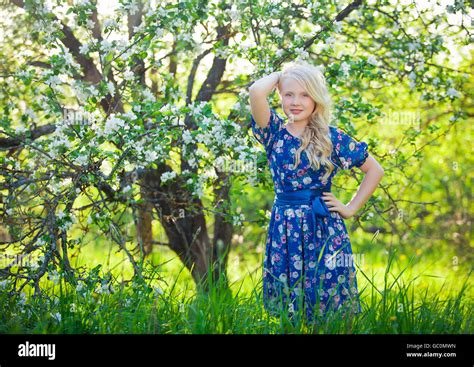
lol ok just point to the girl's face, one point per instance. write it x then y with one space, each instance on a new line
295 100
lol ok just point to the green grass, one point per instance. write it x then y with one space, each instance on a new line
405 296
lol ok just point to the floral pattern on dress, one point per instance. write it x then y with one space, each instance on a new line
307 266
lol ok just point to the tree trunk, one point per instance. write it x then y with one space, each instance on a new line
184 222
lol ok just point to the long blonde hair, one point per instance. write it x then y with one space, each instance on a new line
315 138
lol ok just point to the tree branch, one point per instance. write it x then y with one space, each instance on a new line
11 143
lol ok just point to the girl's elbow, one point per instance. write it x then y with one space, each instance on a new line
380 171
254 90
376 171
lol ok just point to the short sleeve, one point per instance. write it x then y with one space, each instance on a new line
350 152
267 134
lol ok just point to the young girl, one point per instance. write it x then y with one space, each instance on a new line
308 263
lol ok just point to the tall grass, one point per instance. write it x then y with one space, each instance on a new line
392 302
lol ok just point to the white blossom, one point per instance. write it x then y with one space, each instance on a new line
199 190
54 276
130 6
56 316
128 75
185 37
187 137
22 300
372 60
302 53
110 23
53 81
111 88
345 68
105 289
30 113
84 49
234 13
20 129
148 95
330 40
113 124
80 286
277 31
451 92
168 176
139 28
412 46
81 160
130 115
90 23
151 156
106 46
192 162
68 59
238 219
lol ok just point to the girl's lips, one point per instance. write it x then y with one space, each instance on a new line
295 112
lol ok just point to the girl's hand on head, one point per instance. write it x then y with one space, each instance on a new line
277 75
334 205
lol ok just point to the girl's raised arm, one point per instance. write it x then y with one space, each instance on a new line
258 93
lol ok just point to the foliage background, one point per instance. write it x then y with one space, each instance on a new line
118 115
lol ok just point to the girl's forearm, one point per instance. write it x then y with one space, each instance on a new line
366 189
266 84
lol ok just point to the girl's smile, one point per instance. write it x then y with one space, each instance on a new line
295 112
296 102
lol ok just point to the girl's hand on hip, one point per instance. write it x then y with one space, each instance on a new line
334 205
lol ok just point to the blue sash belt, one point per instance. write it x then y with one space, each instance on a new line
311 197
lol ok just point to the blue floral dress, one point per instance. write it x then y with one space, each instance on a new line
307 266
